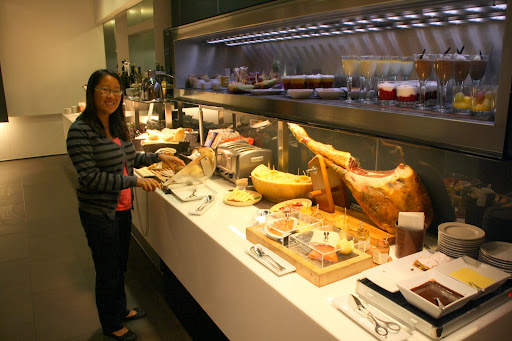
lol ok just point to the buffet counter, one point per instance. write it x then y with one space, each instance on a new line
208 254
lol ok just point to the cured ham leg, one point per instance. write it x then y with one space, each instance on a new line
381 194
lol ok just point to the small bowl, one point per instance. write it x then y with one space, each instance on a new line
329 93
430 308
300 93
497 276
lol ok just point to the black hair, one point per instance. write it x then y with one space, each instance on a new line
117 121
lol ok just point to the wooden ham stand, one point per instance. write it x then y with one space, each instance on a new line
328 189
330 194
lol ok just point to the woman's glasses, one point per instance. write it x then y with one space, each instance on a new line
107 91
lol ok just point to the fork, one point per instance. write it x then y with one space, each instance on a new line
193 195
274 263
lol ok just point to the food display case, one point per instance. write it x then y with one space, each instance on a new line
309 37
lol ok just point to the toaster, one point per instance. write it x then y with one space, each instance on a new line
236 160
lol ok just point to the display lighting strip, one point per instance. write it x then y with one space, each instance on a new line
427 17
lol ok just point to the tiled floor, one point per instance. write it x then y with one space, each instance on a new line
46 271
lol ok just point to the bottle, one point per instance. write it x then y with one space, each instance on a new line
139 75
381 251
125 80
363 238
133 76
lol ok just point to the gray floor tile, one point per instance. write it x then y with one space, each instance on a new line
64 313
52 246
16 310
59 273
14 272
13 246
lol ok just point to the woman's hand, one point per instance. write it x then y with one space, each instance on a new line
148 184
171 160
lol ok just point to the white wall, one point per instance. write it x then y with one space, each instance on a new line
48 49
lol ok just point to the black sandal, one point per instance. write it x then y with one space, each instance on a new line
139 313
128 336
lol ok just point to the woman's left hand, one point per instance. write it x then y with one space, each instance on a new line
171 160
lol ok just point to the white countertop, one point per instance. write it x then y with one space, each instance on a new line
246 300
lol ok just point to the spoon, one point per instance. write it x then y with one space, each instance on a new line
439 303
273 262
207 199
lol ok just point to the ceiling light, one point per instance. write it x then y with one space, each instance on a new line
474 9
498 17
349 23
451 11
362 21
499 6
410 15
430 13
348 31
394 17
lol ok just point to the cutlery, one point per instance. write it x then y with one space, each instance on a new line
474 285
209 198
193 195
439 303
381 326
261 254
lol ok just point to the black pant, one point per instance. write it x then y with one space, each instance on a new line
109 241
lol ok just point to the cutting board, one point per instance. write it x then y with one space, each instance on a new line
311 272
352 222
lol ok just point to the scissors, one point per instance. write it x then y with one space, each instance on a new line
381 326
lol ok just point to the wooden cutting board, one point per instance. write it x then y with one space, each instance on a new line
358 262
352 222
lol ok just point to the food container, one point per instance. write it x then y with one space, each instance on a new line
323 246
450 285
280 225
277 191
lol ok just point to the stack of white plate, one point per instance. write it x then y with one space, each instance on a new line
498 254
458 239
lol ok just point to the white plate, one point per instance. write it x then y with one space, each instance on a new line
499 250
499 277
264 260
184 192
387 274
461 231
258 92
342 304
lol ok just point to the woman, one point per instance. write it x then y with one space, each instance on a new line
99 146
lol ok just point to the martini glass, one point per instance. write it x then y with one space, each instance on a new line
444 67
477 68
406 66
423 64
395 64
349 64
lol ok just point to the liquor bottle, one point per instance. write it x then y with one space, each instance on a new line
133 76
125 79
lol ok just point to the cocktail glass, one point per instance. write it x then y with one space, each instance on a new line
443 66
461 96
368 66
477 68
349 64
406 66
382 67
423 64
395 64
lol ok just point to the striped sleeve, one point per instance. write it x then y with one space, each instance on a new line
81 151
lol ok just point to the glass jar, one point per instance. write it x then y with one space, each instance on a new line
363 239
381 251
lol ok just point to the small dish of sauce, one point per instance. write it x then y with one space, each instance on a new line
432 288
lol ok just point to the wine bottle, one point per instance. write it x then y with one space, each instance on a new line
125 79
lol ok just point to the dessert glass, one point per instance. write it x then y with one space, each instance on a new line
349 64
444 67
327 81
461 96
368 66
298 82
483 101
423 64
395 64
406 94
313 81
406 66
477 68
386 92
287 82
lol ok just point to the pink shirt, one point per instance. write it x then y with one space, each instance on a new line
125 200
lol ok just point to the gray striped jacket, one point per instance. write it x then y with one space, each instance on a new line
99 163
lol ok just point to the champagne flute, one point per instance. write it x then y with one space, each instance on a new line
423 63
349 64
406 66
369 64
443 66
362 81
